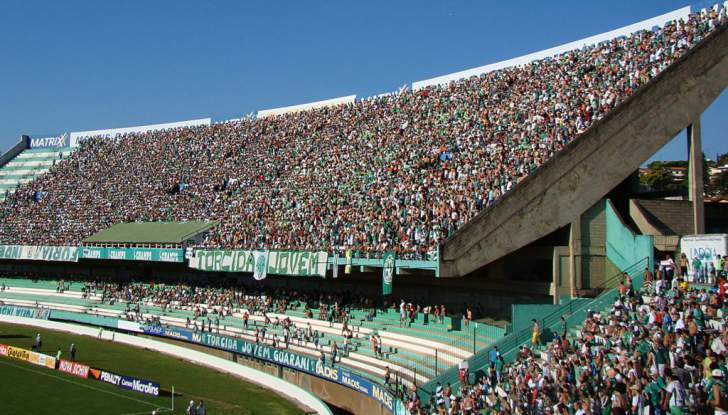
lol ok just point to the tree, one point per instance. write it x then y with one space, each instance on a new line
722 183
722 160
657 179
719 184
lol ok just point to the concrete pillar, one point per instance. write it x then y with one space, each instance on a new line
575 257
695 176
555 275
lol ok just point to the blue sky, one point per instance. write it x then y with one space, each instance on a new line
71 65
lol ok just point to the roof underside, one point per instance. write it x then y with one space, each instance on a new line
150 232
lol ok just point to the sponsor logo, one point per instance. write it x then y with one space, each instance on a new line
109 377
74 368
154 330
383 396
352 381
18 353
59 141
138 385
42 360
3 350
328 372
178 334
127 382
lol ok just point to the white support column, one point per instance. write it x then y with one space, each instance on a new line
575 257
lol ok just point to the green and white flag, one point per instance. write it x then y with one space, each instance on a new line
261 265
387 273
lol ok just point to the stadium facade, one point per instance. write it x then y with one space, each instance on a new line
563 235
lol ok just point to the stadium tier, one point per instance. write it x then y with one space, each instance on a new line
28 165
395 173
369 340
662 345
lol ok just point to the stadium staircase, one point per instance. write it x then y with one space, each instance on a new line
28 165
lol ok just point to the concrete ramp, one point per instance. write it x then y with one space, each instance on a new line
595 163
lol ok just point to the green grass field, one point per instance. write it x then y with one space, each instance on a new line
29 389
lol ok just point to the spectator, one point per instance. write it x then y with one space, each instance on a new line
535 334
399 172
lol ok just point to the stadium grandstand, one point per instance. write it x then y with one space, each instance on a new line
449 248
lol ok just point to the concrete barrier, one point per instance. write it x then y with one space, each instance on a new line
285 388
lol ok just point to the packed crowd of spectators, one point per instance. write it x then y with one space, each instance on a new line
392 173
658 350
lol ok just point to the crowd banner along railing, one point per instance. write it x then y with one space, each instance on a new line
39 253
258 262
573 311
28 312
300 263
132 254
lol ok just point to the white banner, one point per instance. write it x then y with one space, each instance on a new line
301 263
39 253
702 252
77 137
129 326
